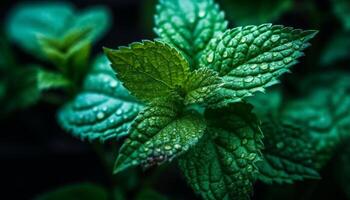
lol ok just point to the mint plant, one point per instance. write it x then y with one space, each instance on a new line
181 97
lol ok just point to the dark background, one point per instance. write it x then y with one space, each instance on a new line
36 155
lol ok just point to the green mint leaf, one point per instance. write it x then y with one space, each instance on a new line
224 167
288 154
159 134
27 20
189 24
103 110
54 20
251 58
201 86
324 112
86 191
249 12
267 104
341 10
98 19
51 80
150 69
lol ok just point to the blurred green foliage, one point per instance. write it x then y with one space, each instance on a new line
304 125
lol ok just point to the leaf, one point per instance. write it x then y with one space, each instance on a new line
224 167
267 104
150 69
86 191
324 112
54 20
51 80
249 12
251 58
336 50
201 85
103 110
160 133
288 154
341 9
25 21
97 18
189 24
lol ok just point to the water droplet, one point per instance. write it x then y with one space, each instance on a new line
253 66
275 38
167 147
249 79
177 146
210 57
201 13
113 84
264 66
104 108
287 60
119 112
100 115
225 54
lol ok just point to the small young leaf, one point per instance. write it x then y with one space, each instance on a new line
159 134
288 154
97 19
51 80
189 24
150 69
103 110
54 20
201 85
251 58
86 191
224 167
27 20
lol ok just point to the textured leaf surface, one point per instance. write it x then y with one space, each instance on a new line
103 109
224 167
28 21
324 113
249 12
201 86
159 134
288 154
150 69
251 58
86 191
189 24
